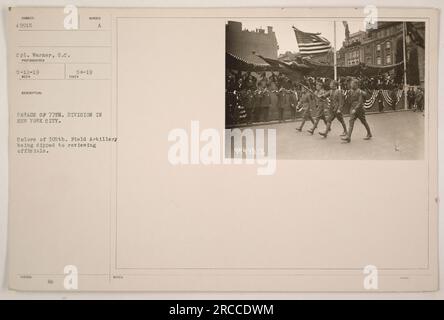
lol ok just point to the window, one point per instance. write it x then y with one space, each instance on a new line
388 45
388 59
378 48
378 60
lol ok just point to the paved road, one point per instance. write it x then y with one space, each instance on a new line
396 135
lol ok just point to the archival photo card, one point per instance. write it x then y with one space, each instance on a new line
223 150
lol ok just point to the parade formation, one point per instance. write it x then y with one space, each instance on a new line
253 101
320 89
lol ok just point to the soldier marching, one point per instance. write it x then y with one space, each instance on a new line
334 111
252 99
306 104
320 96
356 98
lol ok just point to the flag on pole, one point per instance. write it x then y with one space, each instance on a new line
294 73
311 43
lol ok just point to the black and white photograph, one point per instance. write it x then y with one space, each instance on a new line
332 89
232 152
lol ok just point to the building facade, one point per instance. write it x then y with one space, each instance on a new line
245 43
352 51
374 46
382 46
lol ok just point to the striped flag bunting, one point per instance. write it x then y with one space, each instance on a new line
368 103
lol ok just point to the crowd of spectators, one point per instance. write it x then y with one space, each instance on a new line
250 96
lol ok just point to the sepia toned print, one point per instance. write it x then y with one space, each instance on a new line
125 167
331 89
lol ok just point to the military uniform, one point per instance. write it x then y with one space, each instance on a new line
230 100
230 110
335 111
283 103
411 98
306 103
419 100
248 103
394 98
380 101
264 105
257 96
293 103
321 109
274 100
357 111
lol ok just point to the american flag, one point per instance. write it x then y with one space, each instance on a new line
311 43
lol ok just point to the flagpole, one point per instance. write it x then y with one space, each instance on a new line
335 66
405 63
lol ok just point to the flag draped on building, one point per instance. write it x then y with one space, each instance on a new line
311 43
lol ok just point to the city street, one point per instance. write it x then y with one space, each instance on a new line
396 136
